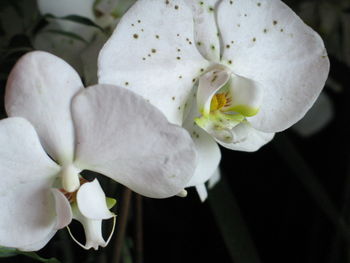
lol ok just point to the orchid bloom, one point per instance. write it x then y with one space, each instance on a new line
254 67
56 129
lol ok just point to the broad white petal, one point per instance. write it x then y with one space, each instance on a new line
205 30
152 52
91 201
40 244
202 192
208 151
40 88
63 210
247 139
27 173
318 117
124 137
273 47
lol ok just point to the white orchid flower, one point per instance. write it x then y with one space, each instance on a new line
57 129
257 66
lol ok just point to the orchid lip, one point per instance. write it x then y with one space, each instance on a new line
225 100
93 233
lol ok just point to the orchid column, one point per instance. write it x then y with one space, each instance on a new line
254 67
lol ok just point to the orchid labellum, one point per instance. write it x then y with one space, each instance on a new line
253 66
57 129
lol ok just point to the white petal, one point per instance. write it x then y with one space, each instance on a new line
246 95
247 139
40 244
91 201
63 210
202 192
319 116
152 52
274 48
122 136
205 30
208 151
27 173
40 88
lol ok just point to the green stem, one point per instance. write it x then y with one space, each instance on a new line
305 175
231 224
121 229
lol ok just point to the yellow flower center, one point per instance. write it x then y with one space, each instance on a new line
219 101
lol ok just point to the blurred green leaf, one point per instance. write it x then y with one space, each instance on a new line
126 254
66 34
34 255
11 252
231 224
122 7
40 25
7 252
77 19
305 175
